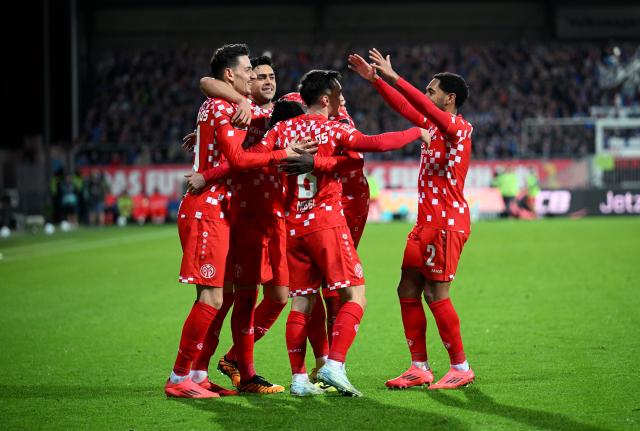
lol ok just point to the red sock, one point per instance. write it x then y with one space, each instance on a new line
242 330
201 362
449 328
415 327
193 332
317 331
344 330
296 336
333 307
264 317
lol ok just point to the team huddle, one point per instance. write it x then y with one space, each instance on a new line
278 198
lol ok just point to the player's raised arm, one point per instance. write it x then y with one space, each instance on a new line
212 87
388 93
357 141
419 100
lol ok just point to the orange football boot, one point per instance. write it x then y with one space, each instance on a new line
217 389
414 376
229 369
187 389
454 379
258 385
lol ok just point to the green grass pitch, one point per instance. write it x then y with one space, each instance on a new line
550 312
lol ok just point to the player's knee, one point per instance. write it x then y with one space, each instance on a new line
408 290
212 297
279 294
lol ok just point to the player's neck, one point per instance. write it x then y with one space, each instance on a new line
265 105
318 110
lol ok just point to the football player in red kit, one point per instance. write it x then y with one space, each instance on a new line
319 245
434 245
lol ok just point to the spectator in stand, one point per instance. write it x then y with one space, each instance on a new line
140 211
55 187
125 208
158 207
69 198
97 192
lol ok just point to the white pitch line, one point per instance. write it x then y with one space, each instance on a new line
75 245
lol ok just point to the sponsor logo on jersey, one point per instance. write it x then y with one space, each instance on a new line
437 271
207 270
358 270
306 205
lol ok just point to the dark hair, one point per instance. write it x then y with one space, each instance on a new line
284 110
453 83
316 83
226 57
261 60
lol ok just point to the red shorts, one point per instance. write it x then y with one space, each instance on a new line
356 215
434 252
327 254
259 247
205 245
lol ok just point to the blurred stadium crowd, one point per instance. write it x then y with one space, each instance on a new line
142 102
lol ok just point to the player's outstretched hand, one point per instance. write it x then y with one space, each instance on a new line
383 65
242 117
361 67
301 164
189 141
425 137
195 182
302 146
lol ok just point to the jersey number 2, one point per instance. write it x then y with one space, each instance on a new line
431 250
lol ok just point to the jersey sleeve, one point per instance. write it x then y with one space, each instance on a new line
357 141
345 163
230 140
399 104
217 172
444 121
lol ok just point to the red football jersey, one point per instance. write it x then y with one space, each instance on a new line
313 201
213 202
256 190
443 170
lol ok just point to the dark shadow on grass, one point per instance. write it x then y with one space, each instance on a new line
328 412
57 392
479 402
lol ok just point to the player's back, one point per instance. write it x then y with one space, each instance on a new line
313 200
213 202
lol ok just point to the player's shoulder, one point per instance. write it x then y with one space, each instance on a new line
338 127
259 112
461 122
222 106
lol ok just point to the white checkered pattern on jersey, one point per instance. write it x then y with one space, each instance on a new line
316 198
338 285
301 292
443 167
